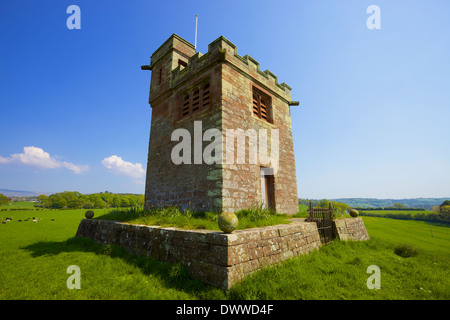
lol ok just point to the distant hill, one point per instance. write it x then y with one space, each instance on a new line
19 193
426 203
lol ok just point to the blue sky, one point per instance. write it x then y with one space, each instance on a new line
374 111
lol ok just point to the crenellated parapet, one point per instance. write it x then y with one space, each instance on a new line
251 63
222 50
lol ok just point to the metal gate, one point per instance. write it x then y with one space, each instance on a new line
323 217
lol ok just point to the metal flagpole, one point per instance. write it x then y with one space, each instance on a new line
196 21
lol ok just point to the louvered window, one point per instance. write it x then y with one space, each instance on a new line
205 96
195 100
261 105
186 105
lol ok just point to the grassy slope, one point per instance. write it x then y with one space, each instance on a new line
338 271
435 239
34 258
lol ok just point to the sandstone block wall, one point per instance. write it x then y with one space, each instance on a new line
350 229
213 257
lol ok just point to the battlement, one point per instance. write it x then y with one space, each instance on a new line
224 51
176 43
182 62
248 60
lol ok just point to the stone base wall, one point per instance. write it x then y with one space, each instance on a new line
213 257
350 229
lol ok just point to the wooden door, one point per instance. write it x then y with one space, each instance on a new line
267 188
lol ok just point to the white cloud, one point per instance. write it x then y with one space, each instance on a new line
121 167
3 160
77 169
37 157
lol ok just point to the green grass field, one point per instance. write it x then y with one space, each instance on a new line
18 205
34 258
172 217
429 237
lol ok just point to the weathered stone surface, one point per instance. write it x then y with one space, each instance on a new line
214 257
350 229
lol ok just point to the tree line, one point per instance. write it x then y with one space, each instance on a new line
76 200
3 199
391 209
324 202
443 216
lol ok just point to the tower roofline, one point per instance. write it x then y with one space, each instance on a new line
174 42
223 50
220 50
173 36
246 59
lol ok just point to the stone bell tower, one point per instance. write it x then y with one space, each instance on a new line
193 95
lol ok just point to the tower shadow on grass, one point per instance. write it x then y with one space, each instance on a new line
172 275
